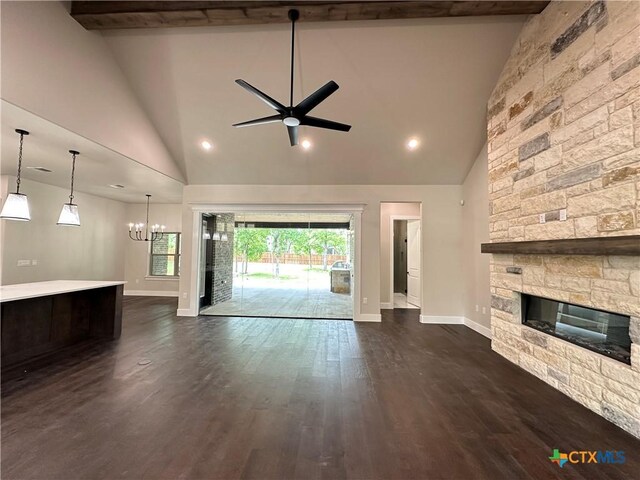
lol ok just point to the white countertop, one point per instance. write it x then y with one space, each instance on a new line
21 291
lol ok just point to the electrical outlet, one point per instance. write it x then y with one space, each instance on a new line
484 310
184 294
24 263
477 308
542 218
563 214
34 262
365 300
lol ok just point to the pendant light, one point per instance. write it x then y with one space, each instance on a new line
224 236
157 231
69 216
16 206
216 232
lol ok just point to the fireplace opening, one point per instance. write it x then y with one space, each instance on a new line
603 332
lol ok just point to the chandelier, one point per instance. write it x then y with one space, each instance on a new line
137 229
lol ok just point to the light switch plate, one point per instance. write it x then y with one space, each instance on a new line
563 214
542 219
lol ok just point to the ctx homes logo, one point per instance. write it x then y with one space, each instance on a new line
587 456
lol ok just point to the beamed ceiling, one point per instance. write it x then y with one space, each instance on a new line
405 75
102 15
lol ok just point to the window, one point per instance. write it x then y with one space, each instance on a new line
165 256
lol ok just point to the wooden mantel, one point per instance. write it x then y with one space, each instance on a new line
619 245
102 15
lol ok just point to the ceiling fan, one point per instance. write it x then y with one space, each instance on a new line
292 116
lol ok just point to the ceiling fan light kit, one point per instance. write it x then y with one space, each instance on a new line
294 116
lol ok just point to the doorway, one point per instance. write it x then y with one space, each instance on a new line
401 238
406 263
276 264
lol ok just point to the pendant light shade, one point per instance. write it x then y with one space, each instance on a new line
16 206
69 216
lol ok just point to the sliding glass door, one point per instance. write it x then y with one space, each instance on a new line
272 264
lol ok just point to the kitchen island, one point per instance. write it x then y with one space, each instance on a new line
44 319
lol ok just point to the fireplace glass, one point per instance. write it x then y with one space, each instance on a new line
603 332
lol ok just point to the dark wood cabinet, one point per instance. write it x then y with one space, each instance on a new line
41 327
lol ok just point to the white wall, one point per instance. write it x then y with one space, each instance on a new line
93 251
442 238
68 75
387 209
475 216
136 269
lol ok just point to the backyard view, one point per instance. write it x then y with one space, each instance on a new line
290 272
288 256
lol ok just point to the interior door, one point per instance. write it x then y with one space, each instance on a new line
413 262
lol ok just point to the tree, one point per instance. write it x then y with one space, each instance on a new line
280 242
302 244
249 244
324 239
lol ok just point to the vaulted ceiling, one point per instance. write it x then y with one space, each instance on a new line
426 78
153 95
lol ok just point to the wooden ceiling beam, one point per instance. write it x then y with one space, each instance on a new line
105 15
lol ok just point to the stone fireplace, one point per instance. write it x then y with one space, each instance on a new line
564 163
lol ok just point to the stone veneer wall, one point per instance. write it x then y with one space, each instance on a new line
223 261
564 138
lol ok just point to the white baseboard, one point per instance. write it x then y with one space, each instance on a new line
440 319
481 329
368 317
452 320
150 293
186 312
386 305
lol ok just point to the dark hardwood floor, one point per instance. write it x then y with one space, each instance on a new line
210 397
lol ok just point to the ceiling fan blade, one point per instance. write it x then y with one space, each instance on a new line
313 100
322 123
259 121
293 135
262 96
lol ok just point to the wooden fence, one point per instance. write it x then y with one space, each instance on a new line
295 259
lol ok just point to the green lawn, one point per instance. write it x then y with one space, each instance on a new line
271 276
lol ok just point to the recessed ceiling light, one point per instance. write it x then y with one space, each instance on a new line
306 144
206 145
116 185
40 169
413 143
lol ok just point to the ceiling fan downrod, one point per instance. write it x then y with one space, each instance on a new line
293 16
